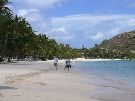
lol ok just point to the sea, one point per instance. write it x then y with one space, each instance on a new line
113 80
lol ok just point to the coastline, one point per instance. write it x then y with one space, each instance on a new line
99 59
38 81
114 80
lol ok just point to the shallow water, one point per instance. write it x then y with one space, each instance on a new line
114 80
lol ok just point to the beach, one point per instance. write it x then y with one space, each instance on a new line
39 81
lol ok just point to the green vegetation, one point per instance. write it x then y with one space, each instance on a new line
18 39
121 46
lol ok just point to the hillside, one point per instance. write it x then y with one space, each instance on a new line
121 46
123 42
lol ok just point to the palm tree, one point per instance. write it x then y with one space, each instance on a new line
5 18
4 10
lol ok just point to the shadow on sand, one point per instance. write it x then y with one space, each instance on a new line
6 87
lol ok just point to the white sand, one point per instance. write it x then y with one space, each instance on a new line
39 81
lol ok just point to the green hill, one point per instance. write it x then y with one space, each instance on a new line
121 46
124 42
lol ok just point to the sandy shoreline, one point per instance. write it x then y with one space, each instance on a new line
39 81
100 59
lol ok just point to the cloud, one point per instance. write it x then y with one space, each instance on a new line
60 34
78 29
32 15
24 12
89 29
38 4
98 36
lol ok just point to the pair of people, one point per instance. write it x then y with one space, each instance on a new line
67 63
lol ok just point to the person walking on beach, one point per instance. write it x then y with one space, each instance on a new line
55 62
67 64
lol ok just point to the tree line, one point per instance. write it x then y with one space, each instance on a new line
107 53
19 40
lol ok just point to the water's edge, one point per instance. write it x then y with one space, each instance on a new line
114 80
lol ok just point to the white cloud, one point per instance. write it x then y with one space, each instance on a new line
59 30
60 34
24 12
32 15
90 28
132 22
79 29
30 4
98 36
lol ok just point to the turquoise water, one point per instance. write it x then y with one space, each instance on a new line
115 80
109 68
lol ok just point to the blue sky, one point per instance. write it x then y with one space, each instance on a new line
78 22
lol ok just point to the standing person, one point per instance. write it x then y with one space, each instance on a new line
67 64
55 62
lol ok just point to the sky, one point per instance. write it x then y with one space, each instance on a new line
78 22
